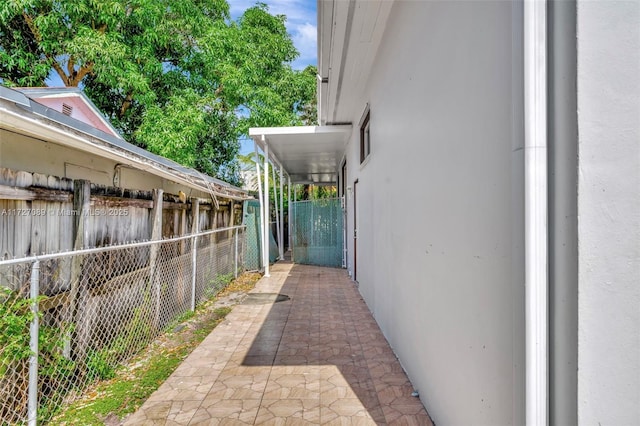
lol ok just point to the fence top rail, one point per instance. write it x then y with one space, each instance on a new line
50 256
316 199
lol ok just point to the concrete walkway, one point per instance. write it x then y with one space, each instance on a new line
318 358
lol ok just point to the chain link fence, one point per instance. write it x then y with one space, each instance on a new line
317 232
70 319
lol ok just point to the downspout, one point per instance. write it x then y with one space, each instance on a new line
536 211
265 230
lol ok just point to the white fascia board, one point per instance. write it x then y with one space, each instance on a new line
261 141
337 54
256 132
99 114
262 135
325 35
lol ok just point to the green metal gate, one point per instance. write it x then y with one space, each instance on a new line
317 232
253 253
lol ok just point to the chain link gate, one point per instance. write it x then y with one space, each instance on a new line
251 219
317 232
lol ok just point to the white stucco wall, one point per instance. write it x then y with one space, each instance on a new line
609 212
440 206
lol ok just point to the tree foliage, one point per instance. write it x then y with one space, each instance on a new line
178 77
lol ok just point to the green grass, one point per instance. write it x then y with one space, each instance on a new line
132 384
127 391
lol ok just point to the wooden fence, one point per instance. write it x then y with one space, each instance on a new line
116 299
47 214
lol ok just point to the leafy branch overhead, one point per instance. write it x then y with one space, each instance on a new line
178 77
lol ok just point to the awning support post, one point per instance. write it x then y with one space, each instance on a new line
267 225
281 214
275 205
261 198
289 209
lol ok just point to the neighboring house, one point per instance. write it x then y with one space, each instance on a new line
72 102
489 154
83 145
51 138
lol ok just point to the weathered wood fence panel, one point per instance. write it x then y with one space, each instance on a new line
37 215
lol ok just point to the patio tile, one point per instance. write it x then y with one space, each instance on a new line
318 358
289 411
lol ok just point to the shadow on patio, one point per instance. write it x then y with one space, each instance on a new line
317 357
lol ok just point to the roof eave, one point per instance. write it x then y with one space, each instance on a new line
36 120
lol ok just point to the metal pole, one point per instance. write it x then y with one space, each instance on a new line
261 198
289 214
265 230
281 214
293 210
235 268
34 329
275 203
193 274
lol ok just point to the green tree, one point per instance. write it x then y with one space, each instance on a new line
177 77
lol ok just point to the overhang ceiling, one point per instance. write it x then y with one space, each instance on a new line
309 154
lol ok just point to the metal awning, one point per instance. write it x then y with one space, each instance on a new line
305 154
309 154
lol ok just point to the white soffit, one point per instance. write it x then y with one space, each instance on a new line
349 34
309 154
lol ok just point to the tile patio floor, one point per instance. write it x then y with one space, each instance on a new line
318 358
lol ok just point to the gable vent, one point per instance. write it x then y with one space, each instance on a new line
67 109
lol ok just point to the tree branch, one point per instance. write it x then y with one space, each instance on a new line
32 26
126 104
71 66
79 75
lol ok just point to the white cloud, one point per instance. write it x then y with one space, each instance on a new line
237 7
304 38
296 10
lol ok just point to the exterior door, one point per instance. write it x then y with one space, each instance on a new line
355 231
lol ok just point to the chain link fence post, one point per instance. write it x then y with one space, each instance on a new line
194 250
235 263
34 329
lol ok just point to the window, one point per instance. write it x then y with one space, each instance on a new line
365 139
